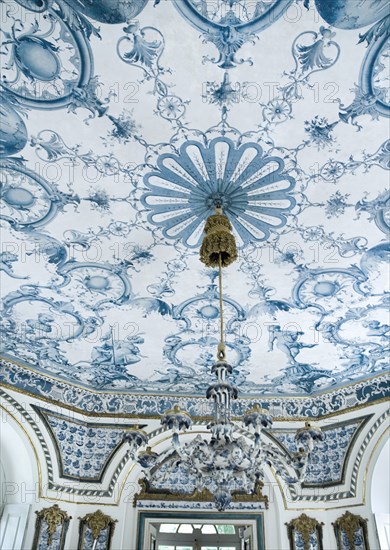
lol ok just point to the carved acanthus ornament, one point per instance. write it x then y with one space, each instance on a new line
306 526
53 517
349 524
97 522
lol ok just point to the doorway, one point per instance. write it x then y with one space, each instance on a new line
207 531
197 536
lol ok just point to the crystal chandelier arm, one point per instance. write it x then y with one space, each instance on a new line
282 465
291 467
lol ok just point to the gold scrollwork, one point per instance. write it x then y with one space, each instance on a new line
97 522
305 526
149 493
53 517
349 524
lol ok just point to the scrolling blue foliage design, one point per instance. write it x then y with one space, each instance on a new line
102 287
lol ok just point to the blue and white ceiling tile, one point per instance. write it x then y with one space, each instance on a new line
111 162
83 449
329 465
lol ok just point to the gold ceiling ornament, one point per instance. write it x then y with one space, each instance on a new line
350 523
97 522
53 517
305 526
219 245
219 249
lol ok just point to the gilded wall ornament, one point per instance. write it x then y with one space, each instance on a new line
95 526
351 531
307 530
150 493
50 528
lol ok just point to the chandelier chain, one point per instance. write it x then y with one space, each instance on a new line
221 348
226 462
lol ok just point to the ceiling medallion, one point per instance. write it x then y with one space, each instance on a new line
253 189
222 462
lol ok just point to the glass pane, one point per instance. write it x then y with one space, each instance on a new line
184 548
227 548
163 547
226 529
168 528
185 528
209 548
208 529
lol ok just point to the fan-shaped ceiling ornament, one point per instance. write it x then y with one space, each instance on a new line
253 189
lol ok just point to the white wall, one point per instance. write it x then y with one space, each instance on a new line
19 482
380 495
17 463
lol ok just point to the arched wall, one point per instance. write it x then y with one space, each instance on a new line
18 463
380 491
281 510
380 499
20 482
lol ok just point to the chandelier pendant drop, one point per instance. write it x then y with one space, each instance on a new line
223 462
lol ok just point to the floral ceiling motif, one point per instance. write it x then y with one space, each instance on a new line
252 190
121 129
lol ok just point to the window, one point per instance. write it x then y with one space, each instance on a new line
168 528
185 528
208 530
226 529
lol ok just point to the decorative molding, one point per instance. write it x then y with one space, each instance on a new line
109 491
149 493
66 489
347 528
351 492
29 419
24 380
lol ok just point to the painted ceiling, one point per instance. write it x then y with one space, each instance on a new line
124 123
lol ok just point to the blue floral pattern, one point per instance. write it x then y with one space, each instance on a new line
103 202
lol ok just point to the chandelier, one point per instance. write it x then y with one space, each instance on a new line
224 462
